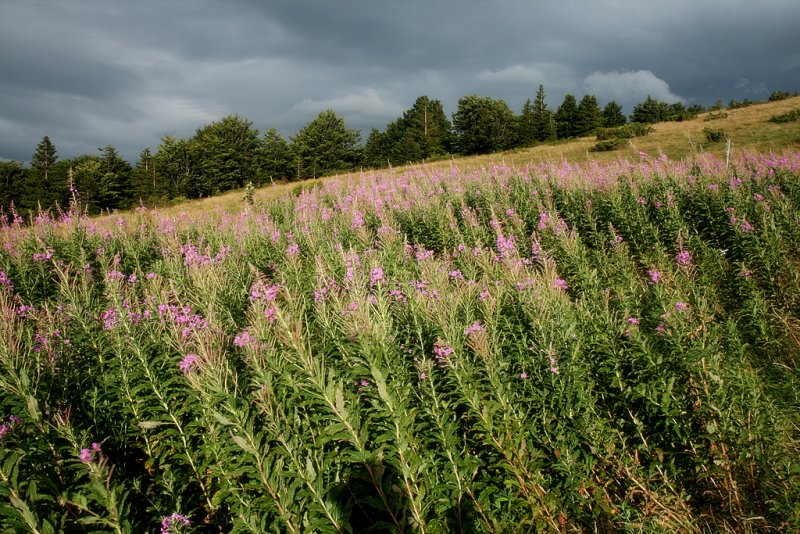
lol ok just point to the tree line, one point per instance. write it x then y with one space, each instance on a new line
230 153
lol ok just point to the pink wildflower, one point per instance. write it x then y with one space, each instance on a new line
172 523
188 363
560 284
683 259
474 328
655 276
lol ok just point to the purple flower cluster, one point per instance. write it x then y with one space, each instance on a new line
683 259
192 256
5 281
654 277
7 428
46 256
442 351
173 523
505 246
87 456
560 284
189 363
474 328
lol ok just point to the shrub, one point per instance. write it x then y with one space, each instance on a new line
714 136
789 116
715 115
626 131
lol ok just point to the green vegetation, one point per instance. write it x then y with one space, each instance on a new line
789 116
554 347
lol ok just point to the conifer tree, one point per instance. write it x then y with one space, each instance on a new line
274 159
566 117
543 118
46 186
325 146
588 117
483 125
613 116
225 152
526 125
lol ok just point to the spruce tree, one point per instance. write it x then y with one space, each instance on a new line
46 186
274 160
588 117
483 125
225 152
543 118
613 116
566 117
526 125
325 146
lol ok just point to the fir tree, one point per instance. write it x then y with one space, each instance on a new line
225 152
587 117
613 116
483 125
274 160
566 117
325 146
526 125
543 118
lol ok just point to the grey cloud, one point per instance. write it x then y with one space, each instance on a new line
90 73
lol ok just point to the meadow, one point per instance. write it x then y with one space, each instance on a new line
605 346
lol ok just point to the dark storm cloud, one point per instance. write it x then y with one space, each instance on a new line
89 73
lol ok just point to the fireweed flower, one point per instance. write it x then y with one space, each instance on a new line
173 523
683 259
189 363
87 455
442 352
293 250
655 277
633 321
505 246
375 275
560 284
474 328
523 375
681 306
242 339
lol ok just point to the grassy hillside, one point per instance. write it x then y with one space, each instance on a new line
748 128
610 347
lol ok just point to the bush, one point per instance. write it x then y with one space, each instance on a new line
715 115
780 95
789 116
626 131
714 136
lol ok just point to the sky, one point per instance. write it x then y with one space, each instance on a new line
90 73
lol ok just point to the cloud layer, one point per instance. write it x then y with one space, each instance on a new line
89 74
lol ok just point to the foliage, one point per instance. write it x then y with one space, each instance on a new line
626 131
275 159
714 135
482 125
556 347
225 151
613 116
325 146
565 118
715 115
789 116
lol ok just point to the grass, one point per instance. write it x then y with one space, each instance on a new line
749 129
467 346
